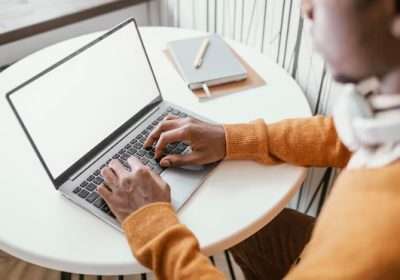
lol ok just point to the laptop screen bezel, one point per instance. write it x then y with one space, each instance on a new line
81 162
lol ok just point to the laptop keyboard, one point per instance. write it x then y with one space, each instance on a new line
87 188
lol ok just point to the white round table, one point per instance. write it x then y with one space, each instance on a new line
40 226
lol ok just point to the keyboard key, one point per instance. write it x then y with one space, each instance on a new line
99 203
175 112
92 197
97 172
182 115
111 214
90 178
116 156
133 141
121 151
144 161
125 157
132 151
154 123
83 193
77 189
91 187
108 161
141 153
127 146
137 146
169 109
160 118
102 166
84 184
105 208
98 180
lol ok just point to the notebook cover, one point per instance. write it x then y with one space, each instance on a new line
253 80
219 63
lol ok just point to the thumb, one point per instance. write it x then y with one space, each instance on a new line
179 160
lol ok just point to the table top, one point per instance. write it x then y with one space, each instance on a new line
40 226
21 19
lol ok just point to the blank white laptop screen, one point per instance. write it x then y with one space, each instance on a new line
75 106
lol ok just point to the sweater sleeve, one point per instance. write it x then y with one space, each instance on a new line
306 142
167 247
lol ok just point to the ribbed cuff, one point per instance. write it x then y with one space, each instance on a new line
148 222
247 141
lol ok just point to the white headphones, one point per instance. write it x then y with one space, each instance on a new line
367 121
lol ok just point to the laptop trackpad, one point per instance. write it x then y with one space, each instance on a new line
183 182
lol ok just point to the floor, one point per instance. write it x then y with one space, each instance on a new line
231 271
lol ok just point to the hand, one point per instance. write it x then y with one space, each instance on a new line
131 190
206 140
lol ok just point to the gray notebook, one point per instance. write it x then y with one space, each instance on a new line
219 66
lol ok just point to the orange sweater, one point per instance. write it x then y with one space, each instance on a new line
355 236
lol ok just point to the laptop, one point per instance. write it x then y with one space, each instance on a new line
97 104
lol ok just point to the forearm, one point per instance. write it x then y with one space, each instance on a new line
165 246
306 142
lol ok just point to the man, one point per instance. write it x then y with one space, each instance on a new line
356 234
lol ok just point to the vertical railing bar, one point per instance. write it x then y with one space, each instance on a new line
223 17
234 18
242 26
287 32
194 17
324 191
230 267
208 15
316 109
280 31
297 47
212 260
253 11
148 11
264 26
143 276
178 12
65 275
215 15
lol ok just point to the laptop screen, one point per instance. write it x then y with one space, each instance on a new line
72 108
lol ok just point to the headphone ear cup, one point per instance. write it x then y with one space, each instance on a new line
378 131
350 106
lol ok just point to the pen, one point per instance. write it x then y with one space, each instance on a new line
200 55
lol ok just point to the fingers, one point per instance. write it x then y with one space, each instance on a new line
118 168
167 124
134 163
105 194
110 178
172 136
179 160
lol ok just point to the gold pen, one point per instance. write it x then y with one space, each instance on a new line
200 55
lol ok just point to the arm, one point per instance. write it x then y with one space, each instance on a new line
165 246
306 142
140 200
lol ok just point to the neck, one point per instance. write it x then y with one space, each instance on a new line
390 84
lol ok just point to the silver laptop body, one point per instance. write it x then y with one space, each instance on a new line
75 172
